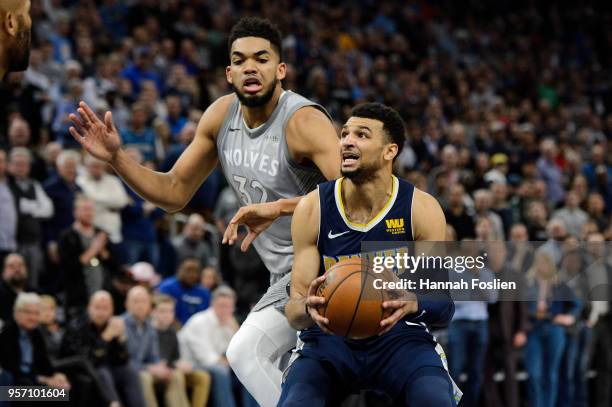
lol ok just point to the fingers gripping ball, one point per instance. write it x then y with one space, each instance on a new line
352 305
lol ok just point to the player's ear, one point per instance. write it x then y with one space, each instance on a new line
228 74
9 23
281 71
390 151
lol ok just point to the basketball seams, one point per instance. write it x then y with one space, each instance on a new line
331 294
357 304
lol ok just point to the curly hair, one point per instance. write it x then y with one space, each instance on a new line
393 125
257 27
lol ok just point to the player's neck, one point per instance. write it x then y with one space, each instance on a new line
256 116
368 198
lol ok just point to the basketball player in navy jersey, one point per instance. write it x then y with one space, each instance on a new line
15 36
332 221
274 146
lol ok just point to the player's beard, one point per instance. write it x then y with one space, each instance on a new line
257 101
19 52
362 174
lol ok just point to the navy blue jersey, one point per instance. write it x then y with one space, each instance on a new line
388 362
339 238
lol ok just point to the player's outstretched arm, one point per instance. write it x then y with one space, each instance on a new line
171 190
311 140
300 310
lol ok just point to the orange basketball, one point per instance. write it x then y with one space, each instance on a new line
353 307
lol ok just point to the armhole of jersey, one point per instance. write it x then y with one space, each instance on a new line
226 121
320 215
412 212
294 109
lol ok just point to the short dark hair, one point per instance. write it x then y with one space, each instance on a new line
393 125
256 27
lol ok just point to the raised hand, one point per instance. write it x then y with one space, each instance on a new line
99 138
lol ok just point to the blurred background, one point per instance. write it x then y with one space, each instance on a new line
508 108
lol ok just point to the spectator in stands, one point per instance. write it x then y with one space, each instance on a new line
483 199
211 278
141 70
84 258
186 289
140 135
498 174
175 119
20 135
457 214
24 354
468 330
549 172
508 324
557 234
8 214
191 242
599 275
100 338
138 227
595 208
62 189
205 339
144 275
49 327
520 252
536 218
108 194
143 348
14 281
169 350
33 206
552 308
501 206
572 216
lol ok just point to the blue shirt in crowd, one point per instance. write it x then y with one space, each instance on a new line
188 300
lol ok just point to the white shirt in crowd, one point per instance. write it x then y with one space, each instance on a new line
110 197
203 339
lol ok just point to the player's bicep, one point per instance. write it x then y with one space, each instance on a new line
311 137
304 231
200 157
428 217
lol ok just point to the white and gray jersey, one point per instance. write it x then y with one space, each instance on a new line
258 166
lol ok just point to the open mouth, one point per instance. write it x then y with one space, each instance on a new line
349 158
252 85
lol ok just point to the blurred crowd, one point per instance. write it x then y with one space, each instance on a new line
509 114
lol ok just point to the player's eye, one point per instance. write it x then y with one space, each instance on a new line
237 61
262 60
343 134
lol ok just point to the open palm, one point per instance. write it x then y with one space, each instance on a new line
99 138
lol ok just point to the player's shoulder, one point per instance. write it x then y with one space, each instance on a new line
424 202
215 114
309 202
305 117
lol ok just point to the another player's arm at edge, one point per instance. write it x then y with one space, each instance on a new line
172 190
429 223
306 261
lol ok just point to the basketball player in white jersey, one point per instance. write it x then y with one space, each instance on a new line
274 147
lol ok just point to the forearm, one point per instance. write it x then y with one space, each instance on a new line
287 206
161 189
295 310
